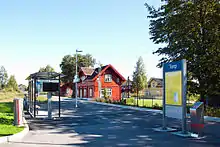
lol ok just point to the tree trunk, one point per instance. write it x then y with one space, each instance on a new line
203 99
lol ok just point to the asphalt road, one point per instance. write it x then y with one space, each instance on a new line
104 126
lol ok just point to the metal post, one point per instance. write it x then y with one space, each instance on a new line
35 91
152 102
184 80
137 96
49 96
164 102
76 81
59 95
128 86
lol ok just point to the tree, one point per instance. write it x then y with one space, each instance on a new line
139 77
190 30
3 77
68 65
12 83
48 68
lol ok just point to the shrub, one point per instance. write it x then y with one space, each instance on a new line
130 101
100 100
109 100
6 118
212 111
156 106
97 100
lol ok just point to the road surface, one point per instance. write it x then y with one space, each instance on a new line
104 126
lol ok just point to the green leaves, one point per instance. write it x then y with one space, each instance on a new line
3 77
12 83
190 30
48 68
139 76
68 65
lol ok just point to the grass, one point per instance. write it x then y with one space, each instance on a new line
6 120
144 102
42 99
8 96
6 130
6 107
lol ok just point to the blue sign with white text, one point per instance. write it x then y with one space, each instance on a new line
173 66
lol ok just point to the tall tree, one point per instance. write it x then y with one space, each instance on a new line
68 65
48 68
12 83
3 77
139 77
190 30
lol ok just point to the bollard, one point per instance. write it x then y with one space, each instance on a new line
49 96
197 118
18 112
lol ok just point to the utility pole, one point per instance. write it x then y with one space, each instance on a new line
76 77
128 87
99 82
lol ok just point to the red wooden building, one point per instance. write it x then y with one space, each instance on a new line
66 89
106 77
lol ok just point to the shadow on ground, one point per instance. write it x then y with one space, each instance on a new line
96 125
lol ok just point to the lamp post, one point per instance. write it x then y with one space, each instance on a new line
76 77
128 86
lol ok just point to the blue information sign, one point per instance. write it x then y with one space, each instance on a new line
174 94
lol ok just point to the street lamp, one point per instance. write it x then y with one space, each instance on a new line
76 77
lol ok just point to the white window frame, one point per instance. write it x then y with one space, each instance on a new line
108 91
81 91
90 92
154 84
108 78
84 92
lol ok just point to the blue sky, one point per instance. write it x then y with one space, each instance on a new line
41 32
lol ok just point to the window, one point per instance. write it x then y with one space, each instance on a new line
67 91
90 92
80 93
108 92
118 80
108 78
153 84
85 92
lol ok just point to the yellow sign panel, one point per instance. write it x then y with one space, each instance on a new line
173 88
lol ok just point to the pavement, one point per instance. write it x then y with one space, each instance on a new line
95 125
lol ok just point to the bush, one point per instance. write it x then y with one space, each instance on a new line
130 101
156 106
120 102
100 100
109 100
212 111
6 118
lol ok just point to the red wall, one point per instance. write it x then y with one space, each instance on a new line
116 89
116 92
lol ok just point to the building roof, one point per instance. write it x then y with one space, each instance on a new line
88 71
125 83
98 71
44 75
158 80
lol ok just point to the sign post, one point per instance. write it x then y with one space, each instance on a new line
174 94
49 96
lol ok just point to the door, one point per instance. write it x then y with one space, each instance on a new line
85 93
80 93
